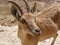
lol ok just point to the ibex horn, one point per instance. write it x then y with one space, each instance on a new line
17 5
27 6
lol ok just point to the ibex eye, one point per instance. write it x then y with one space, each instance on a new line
23 20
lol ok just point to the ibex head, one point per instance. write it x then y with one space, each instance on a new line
26 19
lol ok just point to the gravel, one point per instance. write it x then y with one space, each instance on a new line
8 36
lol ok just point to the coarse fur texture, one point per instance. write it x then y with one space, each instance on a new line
52 12
46 22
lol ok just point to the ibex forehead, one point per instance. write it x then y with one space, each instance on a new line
28 16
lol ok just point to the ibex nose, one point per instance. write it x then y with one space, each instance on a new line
37 32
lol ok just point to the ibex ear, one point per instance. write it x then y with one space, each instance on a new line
16 9
15 12
33 8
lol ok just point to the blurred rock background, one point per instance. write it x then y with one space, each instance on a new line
6 17
8 28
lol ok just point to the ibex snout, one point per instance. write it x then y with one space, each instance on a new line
37 32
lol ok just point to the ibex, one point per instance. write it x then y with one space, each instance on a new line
31 28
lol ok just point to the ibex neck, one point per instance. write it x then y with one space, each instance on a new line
29 41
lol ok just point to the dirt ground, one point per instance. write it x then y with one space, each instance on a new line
8 36
9 28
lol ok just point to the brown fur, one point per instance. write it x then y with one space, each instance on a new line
47 26
52 12
26 36
47 21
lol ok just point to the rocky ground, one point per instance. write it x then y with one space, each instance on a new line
8 36
9 28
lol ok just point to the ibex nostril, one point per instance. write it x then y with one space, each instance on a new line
37 30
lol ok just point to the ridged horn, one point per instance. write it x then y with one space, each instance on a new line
27 6
17 5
